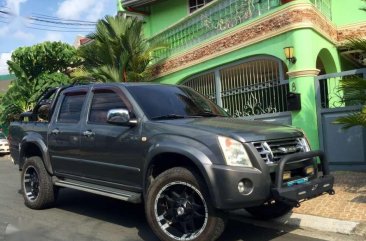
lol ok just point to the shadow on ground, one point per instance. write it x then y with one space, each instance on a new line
132 216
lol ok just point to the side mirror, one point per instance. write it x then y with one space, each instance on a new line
120 117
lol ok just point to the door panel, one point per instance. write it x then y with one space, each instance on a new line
110 152
64 134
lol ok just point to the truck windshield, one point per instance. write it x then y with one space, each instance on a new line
173 102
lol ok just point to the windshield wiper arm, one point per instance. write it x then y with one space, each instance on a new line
169 116
209 114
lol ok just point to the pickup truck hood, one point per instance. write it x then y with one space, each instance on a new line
243 130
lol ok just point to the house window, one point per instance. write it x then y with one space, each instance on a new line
196 4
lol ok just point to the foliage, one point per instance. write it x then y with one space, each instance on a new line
118 53
36 68
45 57
23 94
354 90
354 93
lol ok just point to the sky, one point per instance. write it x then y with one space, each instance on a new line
18 29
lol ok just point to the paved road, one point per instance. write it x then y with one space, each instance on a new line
81 216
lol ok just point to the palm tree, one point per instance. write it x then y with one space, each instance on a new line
118 52
354 91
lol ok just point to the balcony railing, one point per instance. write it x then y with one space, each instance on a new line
214 19
324 6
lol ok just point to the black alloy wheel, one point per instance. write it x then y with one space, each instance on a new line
178 207
31 183
181 211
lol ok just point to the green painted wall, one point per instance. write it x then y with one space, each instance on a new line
308 44
165 13
348 11
273 47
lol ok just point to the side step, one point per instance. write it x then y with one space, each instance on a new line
128 196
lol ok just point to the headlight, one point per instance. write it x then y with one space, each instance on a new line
305 143
234 152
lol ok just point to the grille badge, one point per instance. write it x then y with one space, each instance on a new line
290 149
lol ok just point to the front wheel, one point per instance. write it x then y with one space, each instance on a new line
270 210
178 208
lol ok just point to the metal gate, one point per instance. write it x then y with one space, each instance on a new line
251 89
345 149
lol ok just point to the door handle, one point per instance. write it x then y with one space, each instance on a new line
88 133
55 132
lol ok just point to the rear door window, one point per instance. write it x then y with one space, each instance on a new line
71 107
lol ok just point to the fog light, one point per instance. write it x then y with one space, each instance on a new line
245 186
241 187
286 176
309 170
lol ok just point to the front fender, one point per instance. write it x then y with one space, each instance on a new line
37 140
201 156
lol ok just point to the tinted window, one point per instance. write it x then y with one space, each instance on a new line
163 100
71 108
102 102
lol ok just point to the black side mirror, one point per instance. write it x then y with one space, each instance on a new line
120 117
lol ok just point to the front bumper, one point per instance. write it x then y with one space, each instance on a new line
225 179
310 189
4 149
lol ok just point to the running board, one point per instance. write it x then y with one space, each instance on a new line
128 196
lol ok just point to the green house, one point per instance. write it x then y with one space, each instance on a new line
273 60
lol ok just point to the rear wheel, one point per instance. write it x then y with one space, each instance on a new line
37 188
178 208
270 210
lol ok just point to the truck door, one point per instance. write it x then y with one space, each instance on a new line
110 152
64 132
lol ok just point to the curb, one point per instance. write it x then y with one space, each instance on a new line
303 221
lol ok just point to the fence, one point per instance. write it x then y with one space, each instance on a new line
345 149
250 88
324 6
217 17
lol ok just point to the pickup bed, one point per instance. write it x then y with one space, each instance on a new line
167 147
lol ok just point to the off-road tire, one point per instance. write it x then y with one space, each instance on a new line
46 194
270 210
177 177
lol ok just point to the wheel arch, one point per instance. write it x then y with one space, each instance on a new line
164 158
34 146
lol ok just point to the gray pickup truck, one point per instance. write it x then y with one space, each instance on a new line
168 147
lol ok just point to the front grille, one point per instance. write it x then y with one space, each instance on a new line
273 150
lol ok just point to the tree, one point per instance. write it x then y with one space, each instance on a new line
118 52
36 68
45 57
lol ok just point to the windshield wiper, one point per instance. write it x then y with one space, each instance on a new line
209 114
169 116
